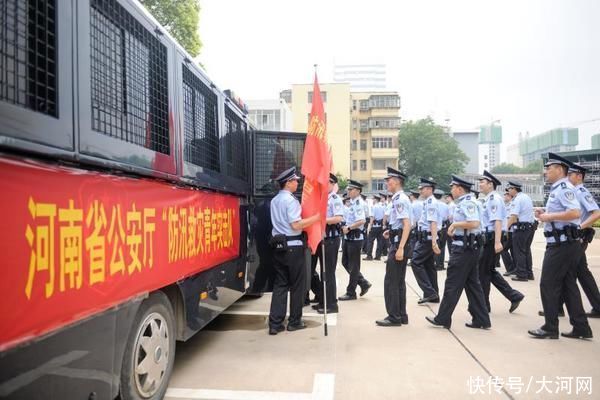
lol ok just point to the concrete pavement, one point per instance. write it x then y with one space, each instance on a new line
235 358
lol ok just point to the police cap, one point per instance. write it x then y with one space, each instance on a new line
287 175
354 185
333 178
460 182
489 177
394 173
424 182
554 158
573 167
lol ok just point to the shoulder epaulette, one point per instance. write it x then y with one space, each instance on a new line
582 189
563 185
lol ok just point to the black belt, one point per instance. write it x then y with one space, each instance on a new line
296 237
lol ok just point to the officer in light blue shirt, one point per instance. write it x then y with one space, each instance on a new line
353 240
521 223
427 244
288 255
563 253
375 230
394 287
462 266
493 219
443 229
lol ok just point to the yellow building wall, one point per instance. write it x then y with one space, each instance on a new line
337 107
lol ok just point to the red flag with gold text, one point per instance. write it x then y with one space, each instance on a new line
316 163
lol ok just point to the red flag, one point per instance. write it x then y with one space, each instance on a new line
316 163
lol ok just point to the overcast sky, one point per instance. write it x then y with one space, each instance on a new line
533 64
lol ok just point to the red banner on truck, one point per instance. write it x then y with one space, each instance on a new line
75 242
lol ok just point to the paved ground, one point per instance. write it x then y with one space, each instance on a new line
235 358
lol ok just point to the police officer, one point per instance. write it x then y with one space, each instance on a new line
335 216
427 244
494 217
443 231
375 229
394 289
507 258
462 266
387 204
521 221
354 237
590 213
563 253
367 221
416 210
288 256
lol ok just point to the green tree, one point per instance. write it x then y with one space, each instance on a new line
342 182
535 167
180 18
427 151
506 168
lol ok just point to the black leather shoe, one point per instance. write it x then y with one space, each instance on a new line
515 304
530 278
404 320
560 313
364 289
347 297
387 322
377 259
509 273
275 331
430 299
315 306
296 327
577 334
519 279
368 258
432 321
542 334
593 314
332 310
476 325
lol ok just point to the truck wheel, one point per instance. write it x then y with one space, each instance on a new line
150 351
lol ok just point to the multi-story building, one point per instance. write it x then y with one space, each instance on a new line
490 137
590 159
513 156
336 103
375 122
361 77
468 142
555 141
270 115
596 141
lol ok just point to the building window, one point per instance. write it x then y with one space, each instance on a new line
363 165
323 96
384 101
354 124
378 184
363 144
308 117
485 157
354 145
353 165
382 143
364 125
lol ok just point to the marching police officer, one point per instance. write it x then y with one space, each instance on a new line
507 258
590 213
563 253
462 266
494 215
427 244
416 210
443 231
394 289
335 215
522 223
375 229
367 221
354 237
288 256
387 204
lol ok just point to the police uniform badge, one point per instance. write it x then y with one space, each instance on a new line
430 211
569 195
338 206
589 198
400 207
493 209
471 209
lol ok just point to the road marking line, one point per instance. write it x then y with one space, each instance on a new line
331 318
323 389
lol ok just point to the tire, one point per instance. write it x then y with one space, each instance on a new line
150 351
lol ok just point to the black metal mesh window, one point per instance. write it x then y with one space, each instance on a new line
236 145
129 78
28 54
200 122
275 154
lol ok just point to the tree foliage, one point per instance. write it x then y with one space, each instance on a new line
342 182
180 18
535 167
427 151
